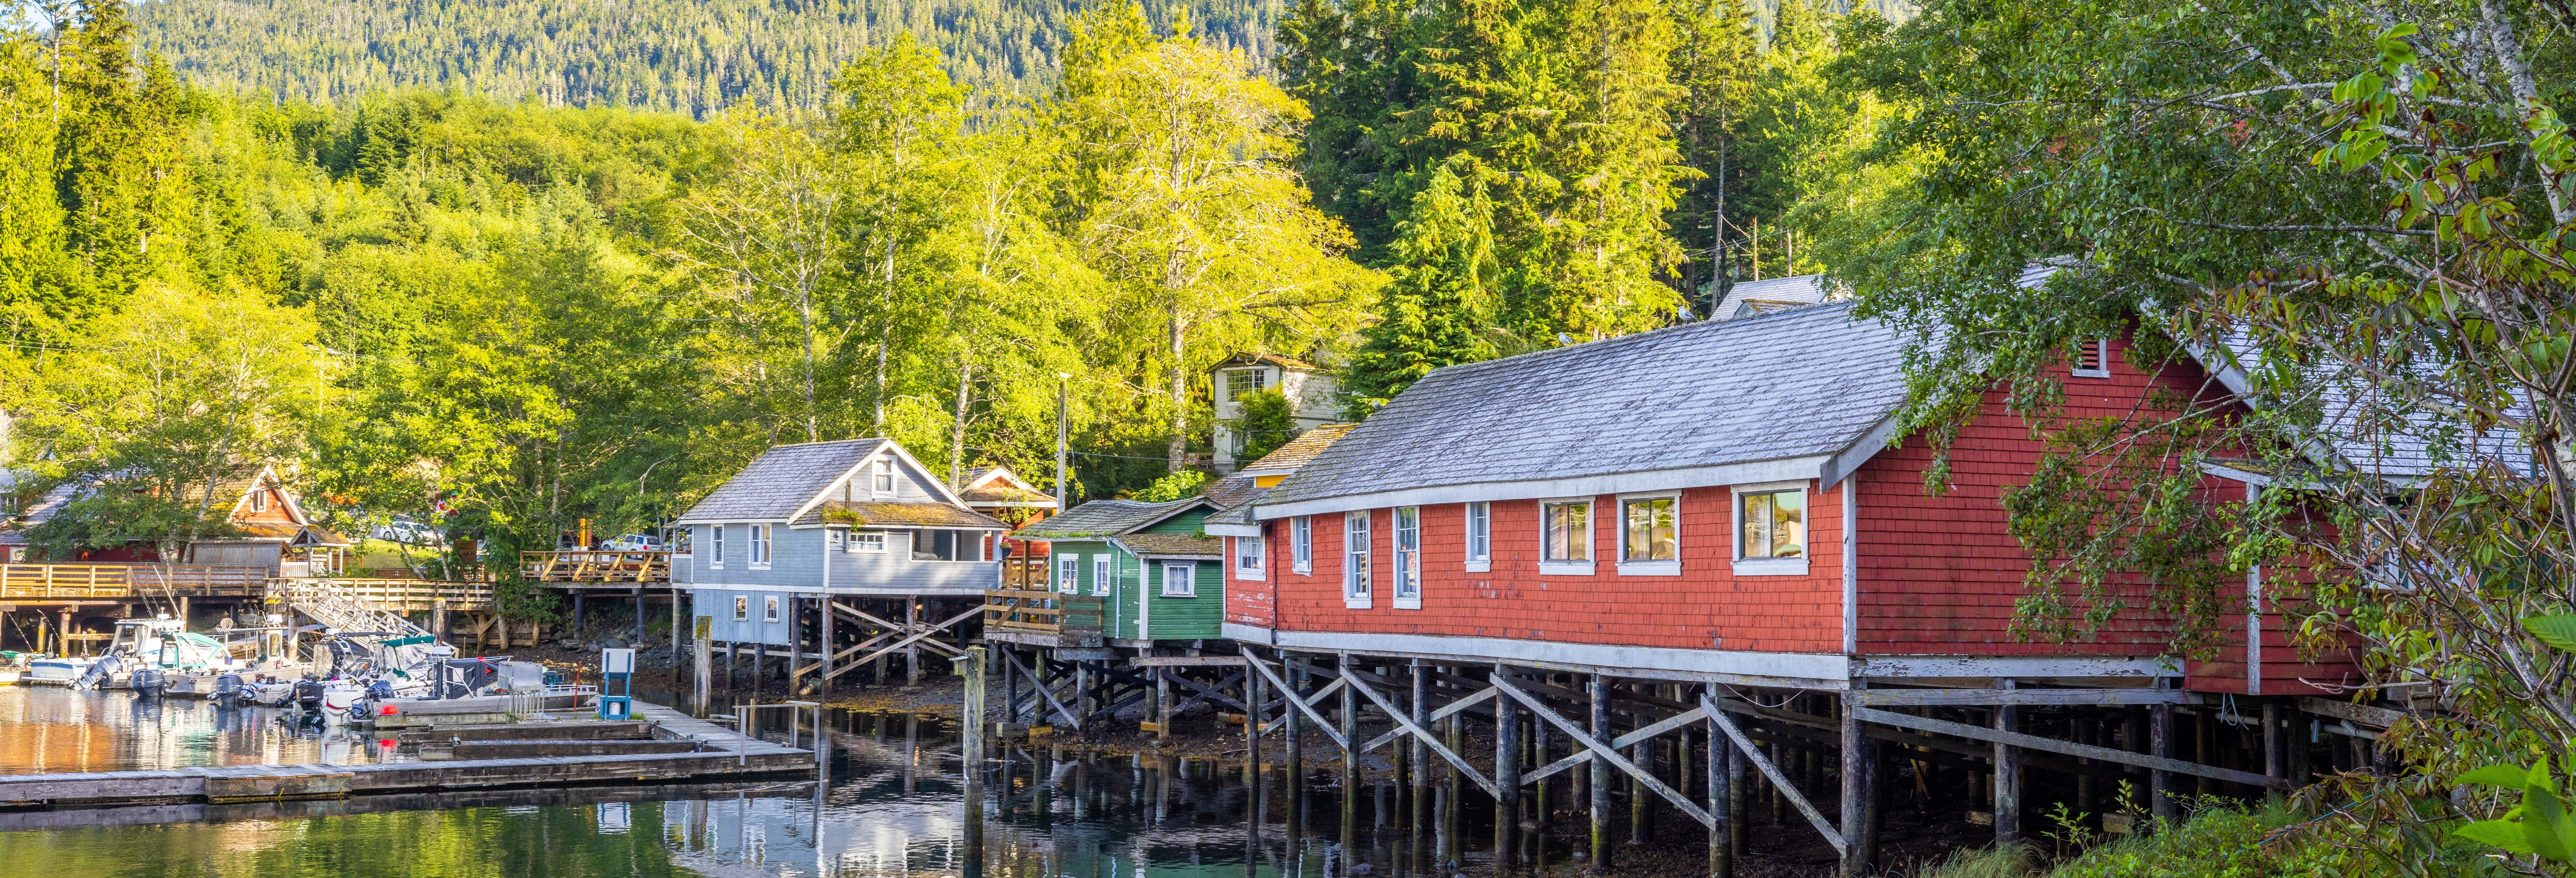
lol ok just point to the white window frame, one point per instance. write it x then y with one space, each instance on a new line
760 536
715 546
1667 567
1260 382
881 480
1301 545
1479 531
1591 529
769 608
834 538
1068 573
1408 558
2101 350
867 542
1355 560
1769 566
259 500
1104 574
1252 549
1189 579
742 608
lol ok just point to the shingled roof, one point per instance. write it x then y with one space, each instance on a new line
1299 450
1173 546
1626 413
779 482
1101 518
882 514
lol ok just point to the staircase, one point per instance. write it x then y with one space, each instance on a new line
345 611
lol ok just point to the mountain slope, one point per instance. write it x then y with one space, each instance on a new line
692 56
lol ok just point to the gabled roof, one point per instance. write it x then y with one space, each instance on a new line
1287 458
1754 298
1803 394
999 486
788 482
1247 359
1173 546
1106 518
782 481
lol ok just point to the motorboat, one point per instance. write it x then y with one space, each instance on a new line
62 670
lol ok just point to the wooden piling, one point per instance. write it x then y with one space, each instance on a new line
1296 730
1163 703
2161 743
971 747
1859 789
704 661
2007 774
1599 789
1721 800
1349 720
2271 738
1507 779
1419 707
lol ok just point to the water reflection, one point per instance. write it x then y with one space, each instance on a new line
46 729
892 807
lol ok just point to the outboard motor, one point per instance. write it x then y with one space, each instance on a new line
380 690
147 682
99 672
308 695
228 690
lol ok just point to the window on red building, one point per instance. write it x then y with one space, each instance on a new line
1408 557
1301 544
1480 535
1569 532
1775 524
1355 559
1650 534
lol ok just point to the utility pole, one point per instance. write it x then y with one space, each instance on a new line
1060 427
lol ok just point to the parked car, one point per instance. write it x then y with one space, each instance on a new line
634 543
406 531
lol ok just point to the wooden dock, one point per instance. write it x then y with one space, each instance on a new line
724 755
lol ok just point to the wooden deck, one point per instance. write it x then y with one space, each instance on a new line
592 566
726 755
43 583
1038 617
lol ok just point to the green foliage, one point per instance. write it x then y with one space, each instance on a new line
1185 483
1268 422
696 58
2540 826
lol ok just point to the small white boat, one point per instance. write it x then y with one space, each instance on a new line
58 670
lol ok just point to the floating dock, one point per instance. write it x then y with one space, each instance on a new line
717 753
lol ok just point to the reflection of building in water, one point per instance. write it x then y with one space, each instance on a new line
53 730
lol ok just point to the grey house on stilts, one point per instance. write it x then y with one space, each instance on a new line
851 544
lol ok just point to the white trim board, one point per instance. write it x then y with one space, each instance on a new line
1803 668
1809 670
1232 530
1785 469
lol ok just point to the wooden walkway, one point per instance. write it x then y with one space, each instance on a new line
726 755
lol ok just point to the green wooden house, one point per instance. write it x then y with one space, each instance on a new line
1158 577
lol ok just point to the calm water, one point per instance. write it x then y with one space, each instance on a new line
54 729
893 806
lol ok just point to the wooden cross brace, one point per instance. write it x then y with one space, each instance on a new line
1667 724
1445 710
1606 752
1207 692
1289 693
840 669
1779 781
1405 725
1067 715
890 627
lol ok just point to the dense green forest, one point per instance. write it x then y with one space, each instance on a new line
692 56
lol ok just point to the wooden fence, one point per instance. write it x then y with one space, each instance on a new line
405 595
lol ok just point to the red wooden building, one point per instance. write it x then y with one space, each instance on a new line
1720 505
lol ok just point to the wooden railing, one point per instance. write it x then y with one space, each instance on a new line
595 565
397 595
1038 611
39 581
